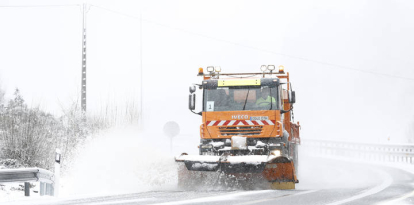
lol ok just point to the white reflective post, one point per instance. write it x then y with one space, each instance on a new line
57 172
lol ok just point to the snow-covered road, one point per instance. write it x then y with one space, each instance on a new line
322 181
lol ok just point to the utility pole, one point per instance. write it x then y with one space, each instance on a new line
83 96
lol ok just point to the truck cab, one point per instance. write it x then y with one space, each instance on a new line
257 108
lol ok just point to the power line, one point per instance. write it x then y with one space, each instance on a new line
257 48
281 54
116 12
226 41
39 6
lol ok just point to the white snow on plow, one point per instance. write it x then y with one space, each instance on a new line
211 167
197 158
253 159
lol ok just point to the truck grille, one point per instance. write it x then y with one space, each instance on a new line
241 130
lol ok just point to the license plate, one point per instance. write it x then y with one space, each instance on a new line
259 118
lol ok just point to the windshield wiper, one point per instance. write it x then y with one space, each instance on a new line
248 90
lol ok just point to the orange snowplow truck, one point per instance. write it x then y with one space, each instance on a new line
247 125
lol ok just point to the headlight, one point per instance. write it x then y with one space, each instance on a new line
263 68
210 68
276 152
271 67
218 69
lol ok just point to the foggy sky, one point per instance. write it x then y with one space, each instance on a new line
345 58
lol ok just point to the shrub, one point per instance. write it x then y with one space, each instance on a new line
29 135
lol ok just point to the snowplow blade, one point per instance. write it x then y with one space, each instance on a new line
241 167
229 164
274 169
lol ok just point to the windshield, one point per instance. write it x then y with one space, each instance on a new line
241 98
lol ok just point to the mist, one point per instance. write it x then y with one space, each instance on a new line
349 61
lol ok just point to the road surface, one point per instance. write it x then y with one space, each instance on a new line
322 181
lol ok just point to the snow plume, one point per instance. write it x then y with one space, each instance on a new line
121 160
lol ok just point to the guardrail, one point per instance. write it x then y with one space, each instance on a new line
401 153
49 181
26 175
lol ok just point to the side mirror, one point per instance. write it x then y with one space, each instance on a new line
191 101
192 89
292 97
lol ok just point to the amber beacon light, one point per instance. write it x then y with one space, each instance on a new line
281 69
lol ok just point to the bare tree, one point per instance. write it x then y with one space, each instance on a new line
28 134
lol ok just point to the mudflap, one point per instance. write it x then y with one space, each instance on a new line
280 172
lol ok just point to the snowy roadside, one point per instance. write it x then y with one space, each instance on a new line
118 161
12 191
402 166
15 191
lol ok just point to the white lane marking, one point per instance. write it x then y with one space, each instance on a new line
386 183
225 197
122 201
394 201
271 199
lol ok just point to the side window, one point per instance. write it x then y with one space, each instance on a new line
282 96
275 95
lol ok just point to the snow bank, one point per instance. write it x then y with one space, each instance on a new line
15 191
